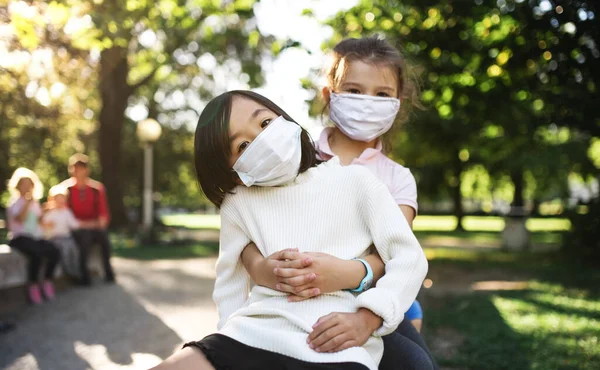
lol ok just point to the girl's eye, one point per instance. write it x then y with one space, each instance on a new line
354 91
383 94
243 146
265 123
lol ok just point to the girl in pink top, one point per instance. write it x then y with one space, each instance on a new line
23 214
367 84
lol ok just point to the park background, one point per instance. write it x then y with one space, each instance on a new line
509 135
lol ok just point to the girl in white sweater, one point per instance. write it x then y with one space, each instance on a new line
259 166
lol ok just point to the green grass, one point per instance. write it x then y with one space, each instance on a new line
156 252
475 237
193 221
422 223
552 323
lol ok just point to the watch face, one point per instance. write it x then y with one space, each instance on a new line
368 283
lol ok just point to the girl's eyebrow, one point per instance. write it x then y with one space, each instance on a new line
252 117
256 113
350 83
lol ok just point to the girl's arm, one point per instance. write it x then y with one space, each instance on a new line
405 262
263 270
20 213
259 268
382 307
232 285
409 213
318 272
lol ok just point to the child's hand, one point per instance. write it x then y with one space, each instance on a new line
287 260
323 274
339 331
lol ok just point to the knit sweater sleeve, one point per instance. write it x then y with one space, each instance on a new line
405 262
232 285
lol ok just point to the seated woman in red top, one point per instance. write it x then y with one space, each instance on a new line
87 200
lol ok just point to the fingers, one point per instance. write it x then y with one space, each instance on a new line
324 323
347 344
288 272
297 281
295 264
295 298
336 343
304 295
331 336
279 254
288 254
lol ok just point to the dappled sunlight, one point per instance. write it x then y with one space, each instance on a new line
457 242
97 356
537 311
26 361
499 285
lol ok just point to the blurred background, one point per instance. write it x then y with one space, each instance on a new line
506 154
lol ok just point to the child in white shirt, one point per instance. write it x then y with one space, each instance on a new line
58 223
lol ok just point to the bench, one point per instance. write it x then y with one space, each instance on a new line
13 276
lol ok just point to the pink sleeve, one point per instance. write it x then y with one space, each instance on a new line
405 188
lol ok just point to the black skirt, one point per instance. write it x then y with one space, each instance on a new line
225 353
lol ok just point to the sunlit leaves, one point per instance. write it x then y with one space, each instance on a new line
594 152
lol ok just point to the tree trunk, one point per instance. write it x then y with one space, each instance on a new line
114 92
518 181
457 194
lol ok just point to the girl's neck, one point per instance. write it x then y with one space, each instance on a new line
346 148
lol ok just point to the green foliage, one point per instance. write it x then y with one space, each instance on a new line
508 88
71 68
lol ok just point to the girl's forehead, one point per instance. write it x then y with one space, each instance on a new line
243 109
358 69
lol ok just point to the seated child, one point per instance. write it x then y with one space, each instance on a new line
59 221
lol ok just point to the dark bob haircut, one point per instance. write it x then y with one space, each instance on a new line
212 146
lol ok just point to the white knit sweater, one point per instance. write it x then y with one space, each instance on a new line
340 210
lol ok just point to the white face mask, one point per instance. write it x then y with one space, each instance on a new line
363 117
273 158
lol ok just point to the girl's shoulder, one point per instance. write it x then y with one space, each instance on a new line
393 171
333 168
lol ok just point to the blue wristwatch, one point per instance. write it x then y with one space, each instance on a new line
366 283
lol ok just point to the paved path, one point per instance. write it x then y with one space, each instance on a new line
155 307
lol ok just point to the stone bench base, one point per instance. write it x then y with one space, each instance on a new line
13 276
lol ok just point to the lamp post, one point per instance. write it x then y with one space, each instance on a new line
148 131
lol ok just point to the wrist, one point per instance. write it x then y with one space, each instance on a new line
264 272
373 321
356 272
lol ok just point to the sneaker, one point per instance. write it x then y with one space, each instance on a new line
35 296
48 290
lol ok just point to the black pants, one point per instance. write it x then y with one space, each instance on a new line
85 239
36 250
405 349
225 353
